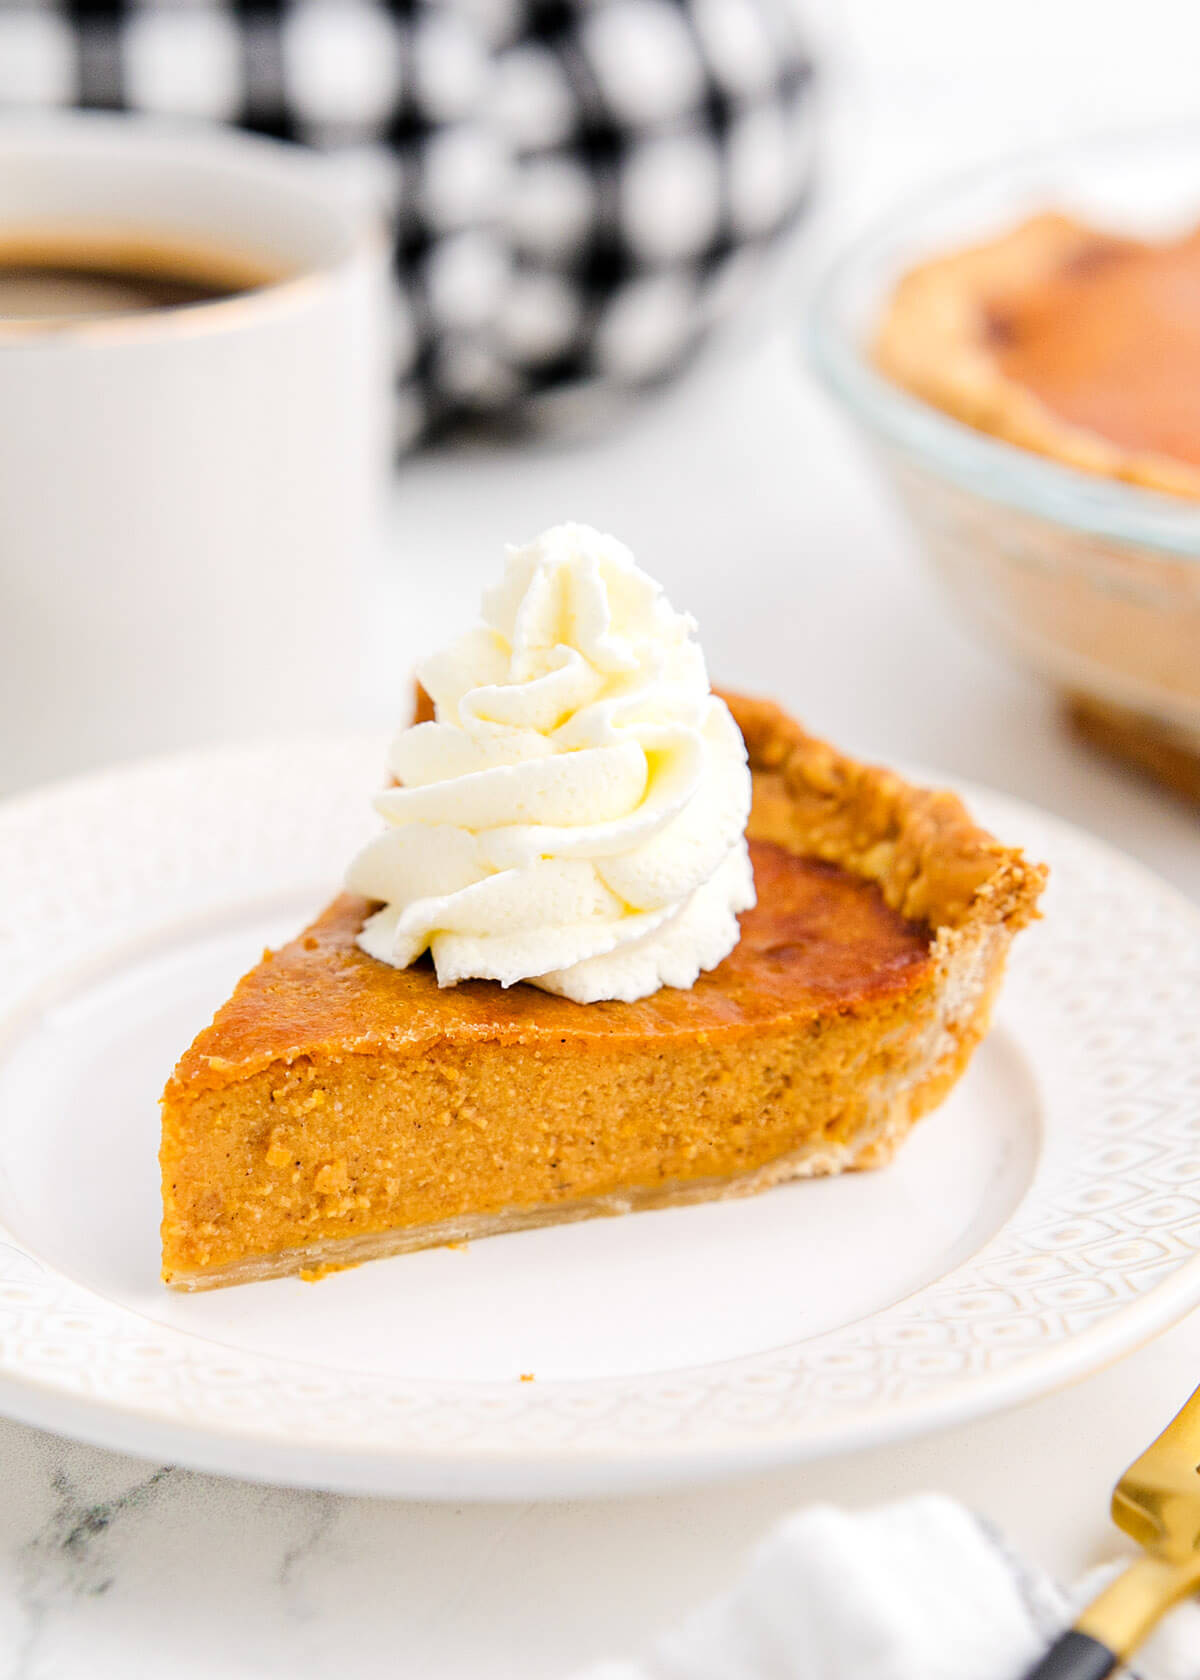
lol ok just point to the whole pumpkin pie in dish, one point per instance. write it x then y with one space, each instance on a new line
1065 339
1080 344
386 1082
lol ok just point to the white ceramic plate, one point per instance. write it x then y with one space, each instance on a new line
1044 1220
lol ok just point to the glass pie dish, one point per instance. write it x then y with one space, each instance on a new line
1091 581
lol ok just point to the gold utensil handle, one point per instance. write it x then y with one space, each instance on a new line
1131 1606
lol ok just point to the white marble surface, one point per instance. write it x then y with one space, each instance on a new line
748 497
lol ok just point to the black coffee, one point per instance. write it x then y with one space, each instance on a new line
64 277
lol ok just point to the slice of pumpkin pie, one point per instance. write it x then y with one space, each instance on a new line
622 943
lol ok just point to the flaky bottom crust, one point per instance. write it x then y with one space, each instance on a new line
334 1254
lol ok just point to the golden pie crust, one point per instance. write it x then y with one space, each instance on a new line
338 1110
944 334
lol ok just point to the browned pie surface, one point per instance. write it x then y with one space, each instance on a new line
1111 342
819 938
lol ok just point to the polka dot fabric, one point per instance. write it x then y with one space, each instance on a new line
580 190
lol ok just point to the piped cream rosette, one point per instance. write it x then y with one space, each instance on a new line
575 817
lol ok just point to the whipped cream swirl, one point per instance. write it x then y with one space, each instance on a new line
575 816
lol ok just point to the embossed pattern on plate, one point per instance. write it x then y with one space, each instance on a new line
1101 1250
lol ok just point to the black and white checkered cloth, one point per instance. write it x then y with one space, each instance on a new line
581 187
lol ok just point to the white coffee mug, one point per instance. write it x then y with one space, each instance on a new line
187 493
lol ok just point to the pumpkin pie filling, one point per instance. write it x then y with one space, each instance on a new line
339 1109
1110 341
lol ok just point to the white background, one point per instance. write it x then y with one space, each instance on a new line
749 498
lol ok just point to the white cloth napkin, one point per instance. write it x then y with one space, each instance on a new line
918 1590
